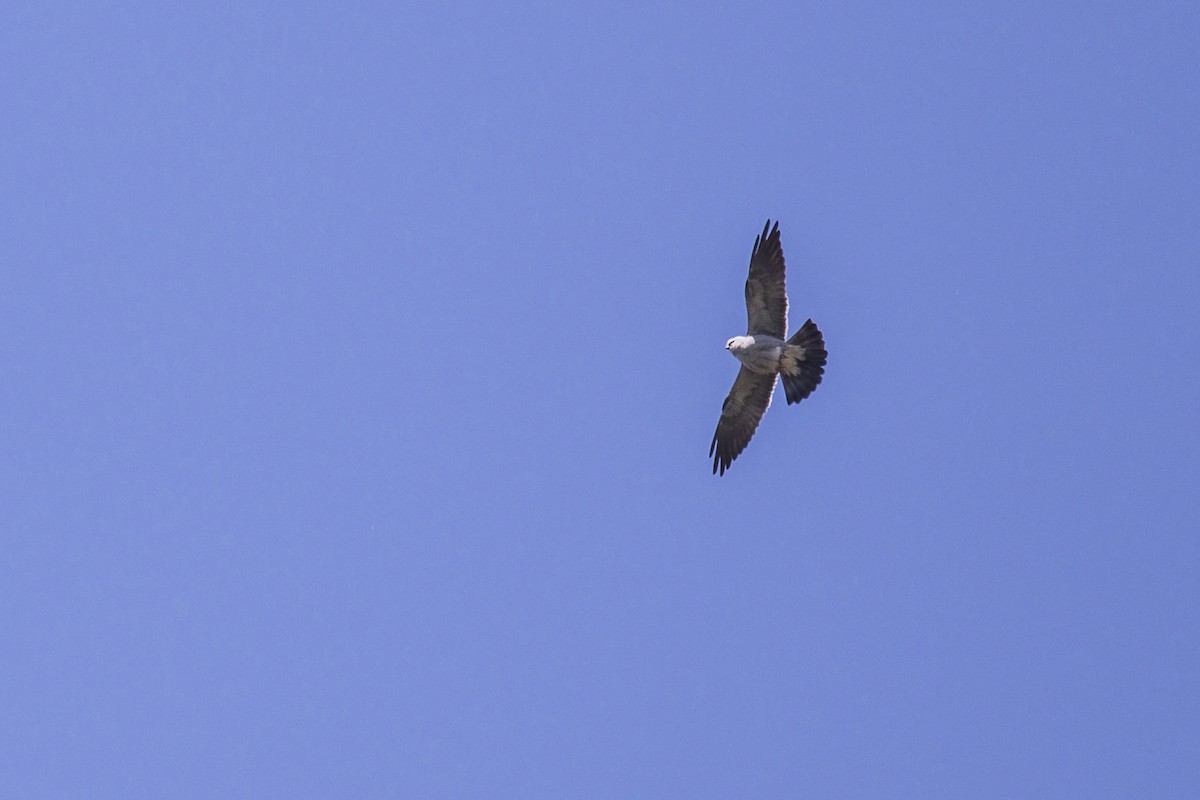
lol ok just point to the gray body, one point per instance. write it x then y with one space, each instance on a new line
759 353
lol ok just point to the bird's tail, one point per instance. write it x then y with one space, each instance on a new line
803 362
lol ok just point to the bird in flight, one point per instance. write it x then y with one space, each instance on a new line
765 351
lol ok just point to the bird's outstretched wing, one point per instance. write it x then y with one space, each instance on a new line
766 295
743 409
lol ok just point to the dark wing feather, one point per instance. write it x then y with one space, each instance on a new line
766 295
743 409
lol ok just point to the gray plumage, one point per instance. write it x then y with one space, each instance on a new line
765 351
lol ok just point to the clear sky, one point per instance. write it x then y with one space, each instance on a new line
360 362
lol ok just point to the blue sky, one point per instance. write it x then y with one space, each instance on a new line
361 362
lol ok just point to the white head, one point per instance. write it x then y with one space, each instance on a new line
738 343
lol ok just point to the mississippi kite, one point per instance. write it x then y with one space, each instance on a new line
765 351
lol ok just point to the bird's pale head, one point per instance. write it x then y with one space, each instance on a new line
738 343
